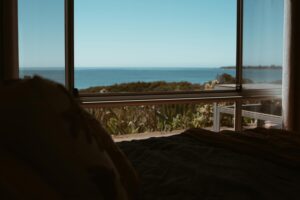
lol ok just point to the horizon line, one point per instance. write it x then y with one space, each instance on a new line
36 67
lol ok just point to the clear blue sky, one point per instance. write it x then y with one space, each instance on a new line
142 33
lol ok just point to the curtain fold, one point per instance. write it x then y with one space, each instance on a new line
9 58
291 66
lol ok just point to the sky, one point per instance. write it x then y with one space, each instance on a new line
149 33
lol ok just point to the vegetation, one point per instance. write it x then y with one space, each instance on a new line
152 118
157 86
228 79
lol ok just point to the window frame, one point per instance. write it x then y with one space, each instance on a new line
237 95
70 68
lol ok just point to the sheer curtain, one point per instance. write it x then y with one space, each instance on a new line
291 86
9 39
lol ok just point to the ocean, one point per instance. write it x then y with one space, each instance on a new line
105 76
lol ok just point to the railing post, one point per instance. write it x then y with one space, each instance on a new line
216 123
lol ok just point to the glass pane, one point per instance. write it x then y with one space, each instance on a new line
41 39
146 46
262 113
263 43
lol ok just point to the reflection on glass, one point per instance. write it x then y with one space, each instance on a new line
146 46
264 113
41 39
263 43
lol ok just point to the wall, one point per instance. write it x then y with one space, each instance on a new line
8 39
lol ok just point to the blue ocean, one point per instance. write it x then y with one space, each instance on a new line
105 76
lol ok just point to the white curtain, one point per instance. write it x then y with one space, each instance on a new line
291 72
9 62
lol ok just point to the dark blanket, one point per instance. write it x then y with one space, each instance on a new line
199 164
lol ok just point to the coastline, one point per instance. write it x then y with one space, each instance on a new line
273 67
93 77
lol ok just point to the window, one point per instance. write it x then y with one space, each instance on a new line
263 44
262 61
41 39
136 54
262 113
154 46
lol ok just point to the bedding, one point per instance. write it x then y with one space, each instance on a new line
199 164
51 148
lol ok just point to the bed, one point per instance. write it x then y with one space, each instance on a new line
51 148
199 164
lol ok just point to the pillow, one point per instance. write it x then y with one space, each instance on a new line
45 128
